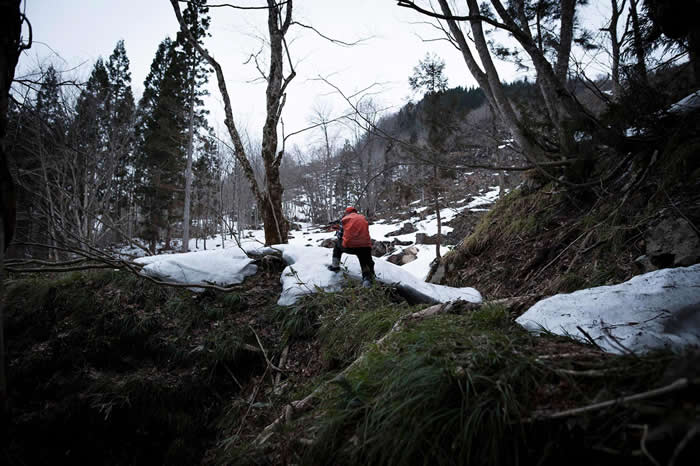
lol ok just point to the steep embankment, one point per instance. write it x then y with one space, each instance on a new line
108 369
544 239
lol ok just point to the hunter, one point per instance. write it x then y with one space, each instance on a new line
353 238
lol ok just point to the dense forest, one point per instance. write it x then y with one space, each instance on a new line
165 294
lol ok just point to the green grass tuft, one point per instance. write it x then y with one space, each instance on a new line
444 391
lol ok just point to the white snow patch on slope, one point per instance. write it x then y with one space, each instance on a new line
222 267
307 270
686 104
660 309
488 198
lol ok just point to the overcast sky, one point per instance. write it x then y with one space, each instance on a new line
74 32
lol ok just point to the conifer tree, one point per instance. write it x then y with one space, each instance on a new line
161 130
121 110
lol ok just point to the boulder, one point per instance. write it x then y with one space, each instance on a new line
422 238
398 242
404 230
405 256
672 243
381 248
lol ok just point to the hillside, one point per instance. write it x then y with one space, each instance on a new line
304 272
106 365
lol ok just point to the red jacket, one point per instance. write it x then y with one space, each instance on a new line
356 231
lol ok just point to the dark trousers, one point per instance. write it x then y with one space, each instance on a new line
363 254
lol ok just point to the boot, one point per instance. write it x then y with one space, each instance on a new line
367 277
335 265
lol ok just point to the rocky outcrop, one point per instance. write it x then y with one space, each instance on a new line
381 248
405 256
670 243
422 238
404 230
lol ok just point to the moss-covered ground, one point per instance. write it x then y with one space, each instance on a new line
105 368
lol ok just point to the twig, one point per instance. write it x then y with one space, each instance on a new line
58 269
683 443
675 386
233 376
281 363
269 363
692 225
252 401
588 373
615 340
329 39
643 445
589 338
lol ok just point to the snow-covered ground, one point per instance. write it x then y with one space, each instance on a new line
660 309
307 271
225 263
657 310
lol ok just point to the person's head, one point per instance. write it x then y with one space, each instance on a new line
350 210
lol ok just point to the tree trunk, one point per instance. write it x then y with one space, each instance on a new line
566 36
269 201
276 226
436 195
188 174
3 377
616 11
10 48
637 40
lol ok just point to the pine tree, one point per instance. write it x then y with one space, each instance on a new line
121 111
161 132
428 75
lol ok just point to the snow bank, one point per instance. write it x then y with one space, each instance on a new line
686 104
660 309
307 271
222 267
485 199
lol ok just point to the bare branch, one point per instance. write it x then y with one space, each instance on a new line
28 44
330 39
434 14
254 57
236 7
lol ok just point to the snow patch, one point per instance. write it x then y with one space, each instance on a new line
660 309
686 104
221 267
307 272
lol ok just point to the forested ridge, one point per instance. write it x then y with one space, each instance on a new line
165 292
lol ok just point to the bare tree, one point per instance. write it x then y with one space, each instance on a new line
11 46
269 193
561 105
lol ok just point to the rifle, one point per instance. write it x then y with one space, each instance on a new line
332 225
